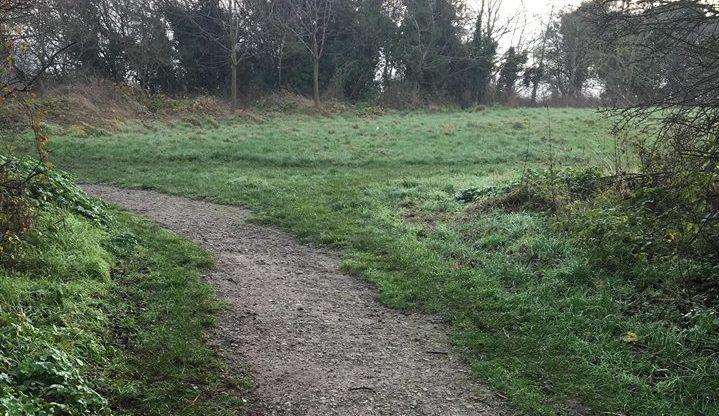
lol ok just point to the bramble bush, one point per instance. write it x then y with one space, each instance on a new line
626 227
17 212
53 189
538 190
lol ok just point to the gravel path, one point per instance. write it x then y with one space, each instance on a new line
316 341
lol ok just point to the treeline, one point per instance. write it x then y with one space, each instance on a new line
346 48
403 50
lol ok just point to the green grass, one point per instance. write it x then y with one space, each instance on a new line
535 319
98 319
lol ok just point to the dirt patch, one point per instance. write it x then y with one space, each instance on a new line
317 341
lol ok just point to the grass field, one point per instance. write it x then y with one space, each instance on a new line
535 320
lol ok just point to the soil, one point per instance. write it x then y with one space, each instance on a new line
316 341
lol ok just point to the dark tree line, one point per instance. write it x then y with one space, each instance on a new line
352 49
348 49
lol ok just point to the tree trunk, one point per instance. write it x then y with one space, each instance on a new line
317 83
385 71
279 61
316 72
535 86
233 79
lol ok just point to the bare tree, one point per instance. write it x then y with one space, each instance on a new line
233 17
233 23
12 14
308 21
14 84
490 13
536 73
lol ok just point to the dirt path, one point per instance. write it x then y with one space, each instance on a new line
317 341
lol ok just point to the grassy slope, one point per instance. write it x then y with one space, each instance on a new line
534 321
120 310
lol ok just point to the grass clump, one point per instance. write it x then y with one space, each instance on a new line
101 313
538 190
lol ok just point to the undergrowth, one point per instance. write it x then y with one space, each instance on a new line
635 283
101 313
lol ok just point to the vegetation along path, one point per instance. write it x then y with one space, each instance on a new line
317 341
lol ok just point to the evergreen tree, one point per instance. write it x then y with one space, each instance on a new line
203 65
482 55
510 72
430 44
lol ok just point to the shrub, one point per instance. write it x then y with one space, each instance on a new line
28 188
626 228
17 213
625 237
47 188
538 190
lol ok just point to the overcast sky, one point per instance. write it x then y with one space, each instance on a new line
536 11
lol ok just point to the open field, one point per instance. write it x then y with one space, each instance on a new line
534 319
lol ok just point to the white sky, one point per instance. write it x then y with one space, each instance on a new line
536 12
